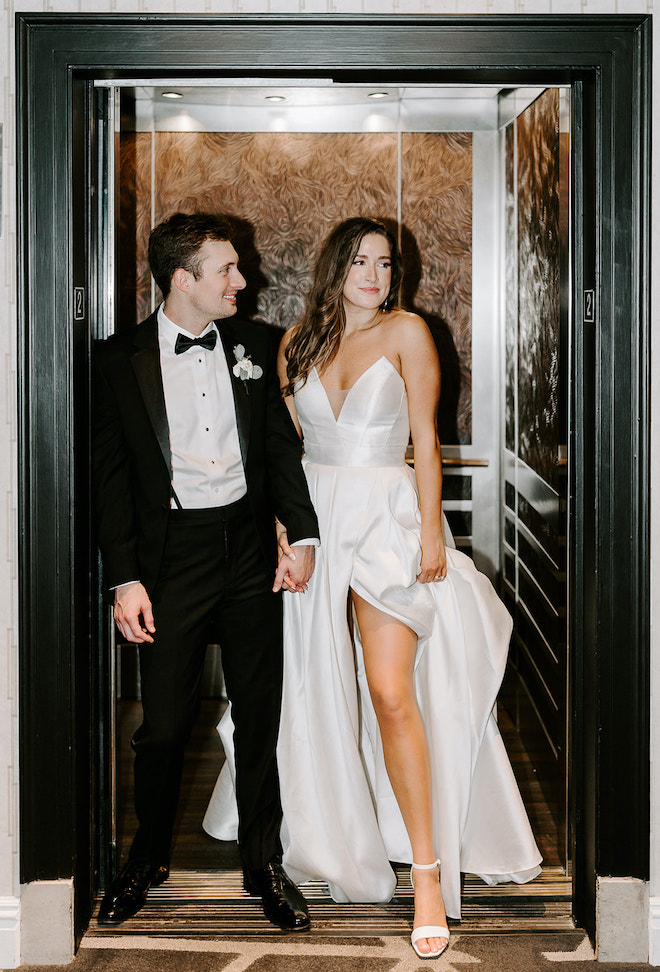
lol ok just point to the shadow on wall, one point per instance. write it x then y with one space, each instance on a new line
251 305
450 365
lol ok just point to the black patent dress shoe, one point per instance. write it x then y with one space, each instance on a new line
128 892
281 900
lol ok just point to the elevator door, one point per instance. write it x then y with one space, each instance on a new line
536 144
429 160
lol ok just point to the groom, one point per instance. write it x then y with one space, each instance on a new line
194 455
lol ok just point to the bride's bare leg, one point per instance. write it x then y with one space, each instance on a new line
389 649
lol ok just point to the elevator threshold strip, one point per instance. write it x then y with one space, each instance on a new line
212 904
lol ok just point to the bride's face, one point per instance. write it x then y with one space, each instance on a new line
369 277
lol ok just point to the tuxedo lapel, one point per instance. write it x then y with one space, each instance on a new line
146 365
241 396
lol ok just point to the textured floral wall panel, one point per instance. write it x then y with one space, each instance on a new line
436 238
134 227
539 285
286 191
511 285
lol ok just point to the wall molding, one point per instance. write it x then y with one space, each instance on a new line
10 932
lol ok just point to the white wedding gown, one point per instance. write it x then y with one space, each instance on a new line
341 820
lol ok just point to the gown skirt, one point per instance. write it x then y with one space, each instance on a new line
341 820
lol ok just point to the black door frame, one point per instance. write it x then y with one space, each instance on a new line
607 61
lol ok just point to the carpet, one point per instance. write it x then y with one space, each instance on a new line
565 952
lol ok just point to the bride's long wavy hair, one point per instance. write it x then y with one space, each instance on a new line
316 336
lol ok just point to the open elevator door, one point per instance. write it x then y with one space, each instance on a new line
472 470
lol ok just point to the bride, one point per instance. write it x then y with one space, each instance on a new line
389 749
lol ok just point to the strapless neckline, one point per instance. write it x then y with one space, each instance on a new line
378 361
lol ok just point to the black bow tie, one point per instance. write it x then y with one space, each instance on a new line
183 343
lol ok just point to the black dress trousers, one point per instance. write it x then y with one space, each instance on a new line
214 586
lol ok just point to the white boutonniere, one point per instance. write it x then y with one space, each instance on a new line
244 369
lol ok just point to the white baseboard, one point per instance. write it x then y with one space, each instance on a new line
654 930
47 936
10 932
622 910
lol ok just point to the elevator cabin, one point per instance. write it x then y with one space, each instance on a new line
475 180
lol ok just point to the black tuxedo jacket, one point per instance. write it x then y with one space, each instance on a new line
132 466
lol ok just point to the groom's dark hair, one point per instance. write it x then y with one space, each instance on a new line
176 242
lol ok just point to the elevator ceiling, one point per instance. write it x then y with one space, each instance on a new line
254 105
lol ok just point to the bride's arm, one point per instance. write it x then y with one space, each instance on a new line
290 574
281 371
420 369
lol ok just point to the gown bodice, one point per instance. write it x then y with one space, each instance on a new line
372 428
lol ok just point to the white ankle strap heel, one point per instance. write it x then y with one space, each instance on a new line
422 867
427 931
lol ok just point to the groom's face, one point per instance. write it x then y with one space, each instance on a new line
213 294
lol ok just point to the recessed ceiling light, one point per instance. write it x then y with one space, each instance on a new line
171 94
378 94
275 98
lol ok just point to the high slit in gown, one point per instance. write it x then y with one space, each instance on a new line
341 821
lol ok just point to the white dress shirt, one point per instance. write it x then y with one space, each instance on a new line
207 468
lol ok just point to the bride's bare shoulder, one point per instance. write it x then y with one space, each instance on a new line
287 337
406 326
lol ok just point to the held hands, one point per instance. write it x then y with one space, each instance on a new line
295 565
131 602
434 559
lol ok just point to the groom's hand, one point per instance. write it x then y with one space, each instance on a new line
295 567
131 603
